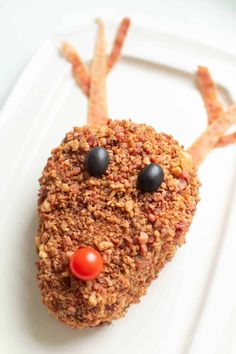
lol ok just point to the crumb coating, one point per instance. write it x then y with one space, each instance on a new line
136 232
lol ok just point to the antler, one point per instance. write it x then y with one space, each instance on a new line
214 108
79 70
218 120
97 112
118 43
209 138
93 84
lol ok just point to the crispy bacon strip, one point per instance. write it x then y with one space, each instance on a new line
79 70
209 138
213 106
227 140
118 43
209 94
97 111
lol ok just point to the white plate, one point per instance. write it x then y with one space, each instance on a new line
191 308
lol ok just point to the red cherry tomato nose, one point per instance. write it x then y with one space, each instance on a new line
86 263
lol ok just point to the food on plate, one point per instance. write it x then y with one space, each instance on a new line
116 199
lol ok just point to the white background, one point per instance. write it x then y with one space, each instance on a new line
25 23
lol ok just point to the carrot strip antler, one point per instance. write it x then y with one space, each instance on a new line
79 70
118 43
97 112
214 108
209 138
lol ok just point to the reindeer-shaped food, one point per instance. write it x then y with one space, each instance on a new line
116 199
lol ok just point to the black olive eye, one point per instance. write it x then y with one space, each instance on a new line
96 161
150 177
